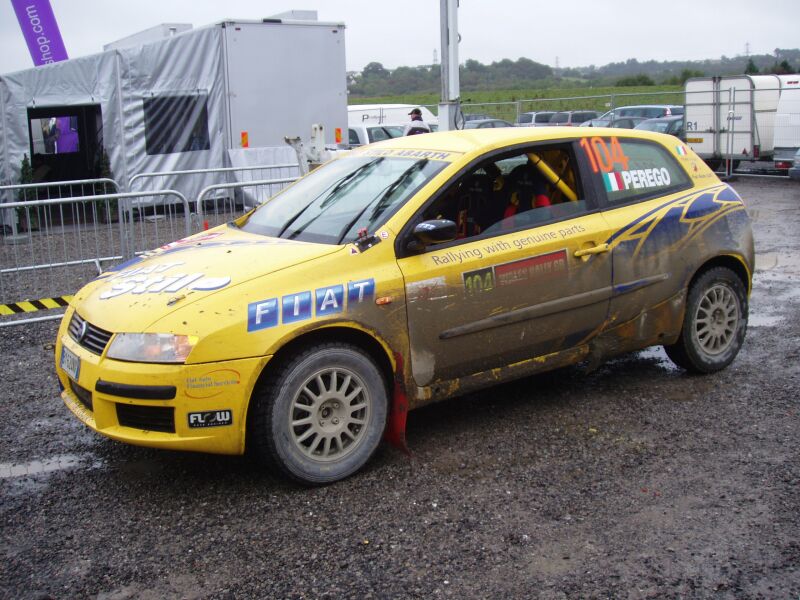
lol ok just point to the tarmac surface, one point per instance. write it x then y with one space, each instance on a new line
634 481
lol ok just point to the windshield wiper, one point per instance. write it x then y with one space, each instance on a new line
334 193
390 189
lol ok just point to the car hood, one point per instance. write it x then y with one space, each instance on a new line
136 294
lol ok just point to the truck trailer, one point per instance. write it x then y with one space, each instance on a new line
733 117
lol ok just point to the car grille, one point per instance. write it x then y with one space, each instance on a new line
94 339
150 418
83 395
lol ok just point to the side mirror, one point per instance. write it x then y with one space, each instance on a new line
435 231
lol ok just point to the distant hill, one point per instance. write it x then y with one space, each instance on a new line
375 80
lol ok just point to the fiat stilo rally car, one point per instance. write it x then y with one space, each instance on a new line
403 273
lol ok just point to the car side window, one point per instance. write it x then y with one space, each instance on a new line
353 137
377 134
633 170
526 188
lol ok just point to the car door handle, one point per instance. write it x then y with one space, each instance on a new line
600 248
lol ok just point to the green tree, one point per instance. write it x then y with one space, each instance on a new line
784 68
635 80
751 68
375 70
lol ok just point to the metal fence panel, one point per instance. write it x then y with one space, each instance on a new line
214 209
57 245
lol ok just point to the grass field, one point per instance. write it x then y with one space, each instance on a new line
506 104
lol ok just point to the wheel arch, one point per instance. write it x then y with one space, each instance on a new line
733 262
376 349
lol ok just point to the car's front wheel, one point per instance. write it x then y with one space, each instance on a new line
321 415
714 325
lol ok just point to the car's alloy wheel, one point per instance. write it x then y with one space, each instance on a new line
328 414
716 319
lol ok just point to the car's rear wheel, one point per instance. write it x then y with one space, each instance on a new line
714 325
321 415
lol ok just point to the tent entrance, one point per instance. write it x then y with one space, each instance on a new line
66 142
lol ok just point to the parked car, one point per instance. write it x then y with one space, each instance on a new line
359 135
794 170
670 125
403 273
486 124
648 111
572 118
626 122
476 116
534 119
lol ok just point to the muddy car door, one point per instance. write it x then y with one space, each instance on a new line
658 222
524 272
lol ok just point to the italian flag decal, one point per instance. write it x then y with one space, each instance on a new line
681 150
613 182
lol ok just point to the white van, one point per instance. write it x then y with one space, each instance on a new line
787 122
368 123
379 114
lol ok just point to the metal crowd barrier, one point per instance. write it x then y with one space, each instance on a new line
213 210
57 245
141 177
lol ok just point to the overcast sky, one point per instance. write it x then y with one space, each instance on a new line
406 32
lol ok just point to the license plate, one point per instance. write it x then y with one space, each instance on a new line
695 140
70 363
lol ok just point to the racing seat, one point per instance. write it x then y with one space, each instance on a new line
477 206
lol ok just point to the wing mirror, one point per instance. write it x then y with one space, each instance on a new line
435 231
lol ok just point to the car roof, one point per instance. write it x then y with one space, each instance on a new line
647 106
486 120
666 119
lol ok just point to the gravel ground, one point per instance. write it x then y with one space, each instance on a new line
634 481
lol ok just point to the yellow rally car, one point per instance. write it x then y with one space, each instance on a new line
407 272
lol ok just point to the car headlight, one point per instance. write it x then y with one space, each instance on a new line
151 347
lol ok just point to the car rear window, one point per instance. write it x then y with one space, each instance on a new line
580 117
658 126
632 170
543 117
559 118
525 118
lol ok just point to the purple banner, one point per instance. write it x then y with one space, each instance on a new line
41 32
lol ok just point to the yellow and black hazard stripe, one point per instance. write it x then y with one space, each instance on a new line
27 306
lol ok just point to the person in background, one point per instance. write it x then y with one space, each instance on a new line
417 125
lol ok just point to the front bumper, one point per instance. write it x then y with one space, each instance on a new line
201 407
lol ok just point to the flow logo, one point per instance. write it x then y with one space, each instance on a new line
210 418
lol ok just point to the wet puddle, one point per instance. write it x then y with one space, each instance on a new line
48 465
659 356
764 320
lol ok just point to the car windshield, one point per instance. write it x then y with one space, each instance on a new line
331 205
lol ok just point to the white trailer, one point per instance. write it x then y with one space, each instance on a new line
189 101
787 122
732 117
